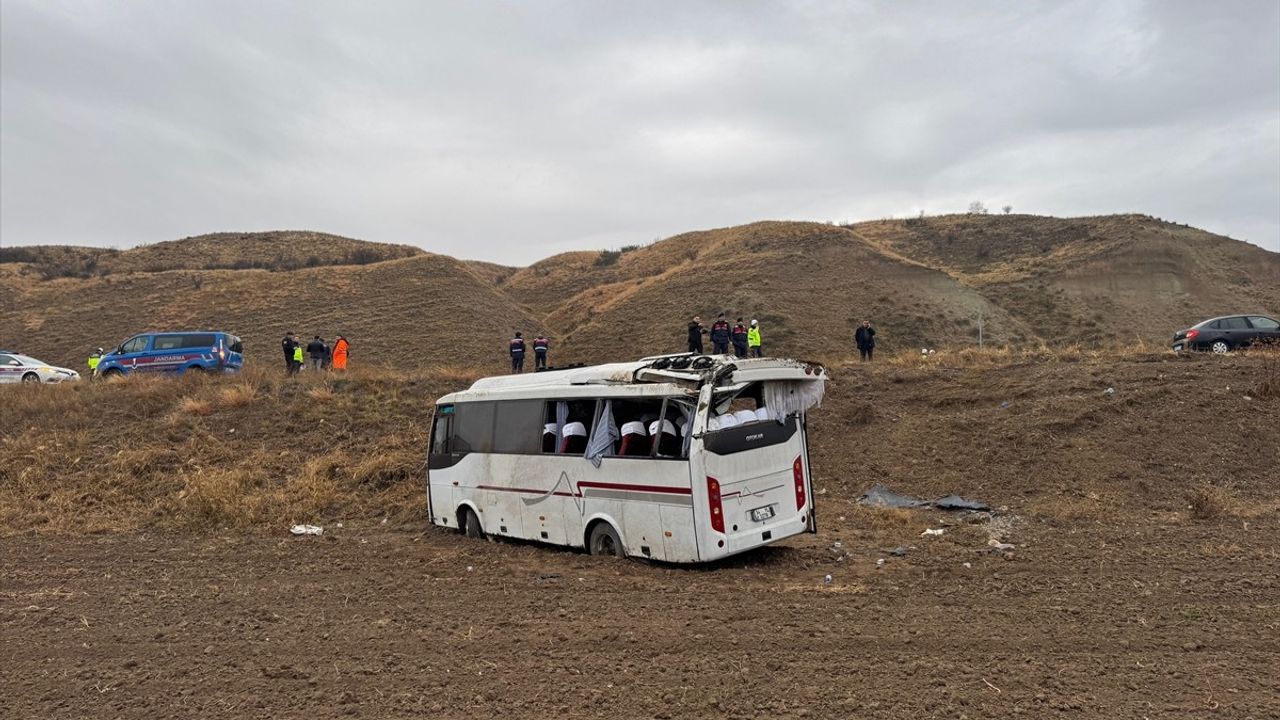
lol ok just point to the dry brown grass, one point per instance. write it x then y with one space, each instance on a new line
257 450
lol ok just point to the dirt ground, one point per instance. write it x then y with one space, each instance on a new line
369 622
1142 582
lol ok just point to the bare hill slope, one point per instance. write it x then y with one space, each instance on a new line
428 309
923 282
272 250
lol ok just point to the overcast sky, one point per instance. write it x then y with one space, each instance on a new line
511 131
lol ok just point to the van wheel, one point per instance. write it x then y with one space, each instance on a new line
113 373
1220 347
470 524
604 541
30 379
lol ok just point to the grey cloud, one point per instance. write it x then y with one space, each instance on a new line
509 131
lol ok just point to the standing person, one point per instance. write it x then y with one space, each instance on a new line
739 339
720 336
753 339
316 350
289 346
94 358
297 358
865 337
517 354
540 347
696 331
341 348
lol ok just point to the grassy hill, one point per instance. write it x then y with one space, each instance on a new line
923 282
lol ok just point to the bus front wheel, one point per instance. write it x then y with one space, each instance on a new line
605 541
471 524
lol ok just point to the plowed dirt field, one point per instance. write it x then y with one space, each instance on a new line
1127 595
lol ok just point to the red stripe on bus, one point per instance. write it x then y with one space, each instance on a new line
626 487
637 488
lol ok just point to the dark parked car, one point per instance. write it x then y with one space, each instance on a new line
1224 334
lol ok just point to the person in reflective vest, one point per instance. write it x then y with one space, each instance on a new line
517 354
297 358
540 347
739 339
94 359
753 339
341 348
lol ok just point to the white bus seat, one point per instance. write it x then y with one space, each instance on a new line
575 438
549 438
762 414
728 421
746 416
633 437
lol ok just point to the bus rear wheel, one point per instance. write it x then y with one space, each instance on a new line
470 524
605 541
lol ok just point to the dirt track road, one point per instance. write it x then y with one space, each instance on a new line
370 622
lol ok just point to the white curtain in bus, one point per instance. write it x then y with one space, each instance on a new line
686 437
785 397
603 436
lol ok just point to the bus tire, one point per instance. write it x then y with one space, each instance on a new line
469 523
604 541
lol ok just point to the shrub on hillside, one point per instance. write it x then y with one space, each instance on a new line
607 257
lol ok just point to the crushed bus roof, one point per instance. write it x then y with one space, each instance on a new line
674 371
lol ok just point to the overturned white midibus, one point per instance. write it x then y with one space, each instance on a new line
678 458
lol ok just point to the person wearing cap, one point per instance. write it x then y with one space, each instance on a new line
753 339
739 339
720 336
516 348
540 347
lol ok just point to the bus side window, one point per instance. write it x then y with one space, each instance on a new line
472 427
518 427
442 430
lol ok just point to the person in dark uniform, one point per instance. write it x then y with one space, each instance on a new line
696 331
517 353
316 350
865 338
720 336
288 345
540 347
740 339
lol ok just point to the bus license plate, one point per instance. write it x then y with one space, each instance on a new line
762 514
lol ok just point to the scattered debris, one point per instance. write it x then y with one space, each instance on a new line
1004 405
968 565
306 530
1109 391
880 562
900 551
932 531
1000 546
826 580
470 568
879 495
955 502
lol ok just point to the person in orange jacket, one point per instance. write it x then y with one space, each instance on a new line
341 348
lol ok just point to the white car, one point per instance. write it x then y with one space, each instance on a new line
16 368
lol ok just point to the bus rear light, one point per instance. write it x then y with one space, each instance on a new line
797 471
713 502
